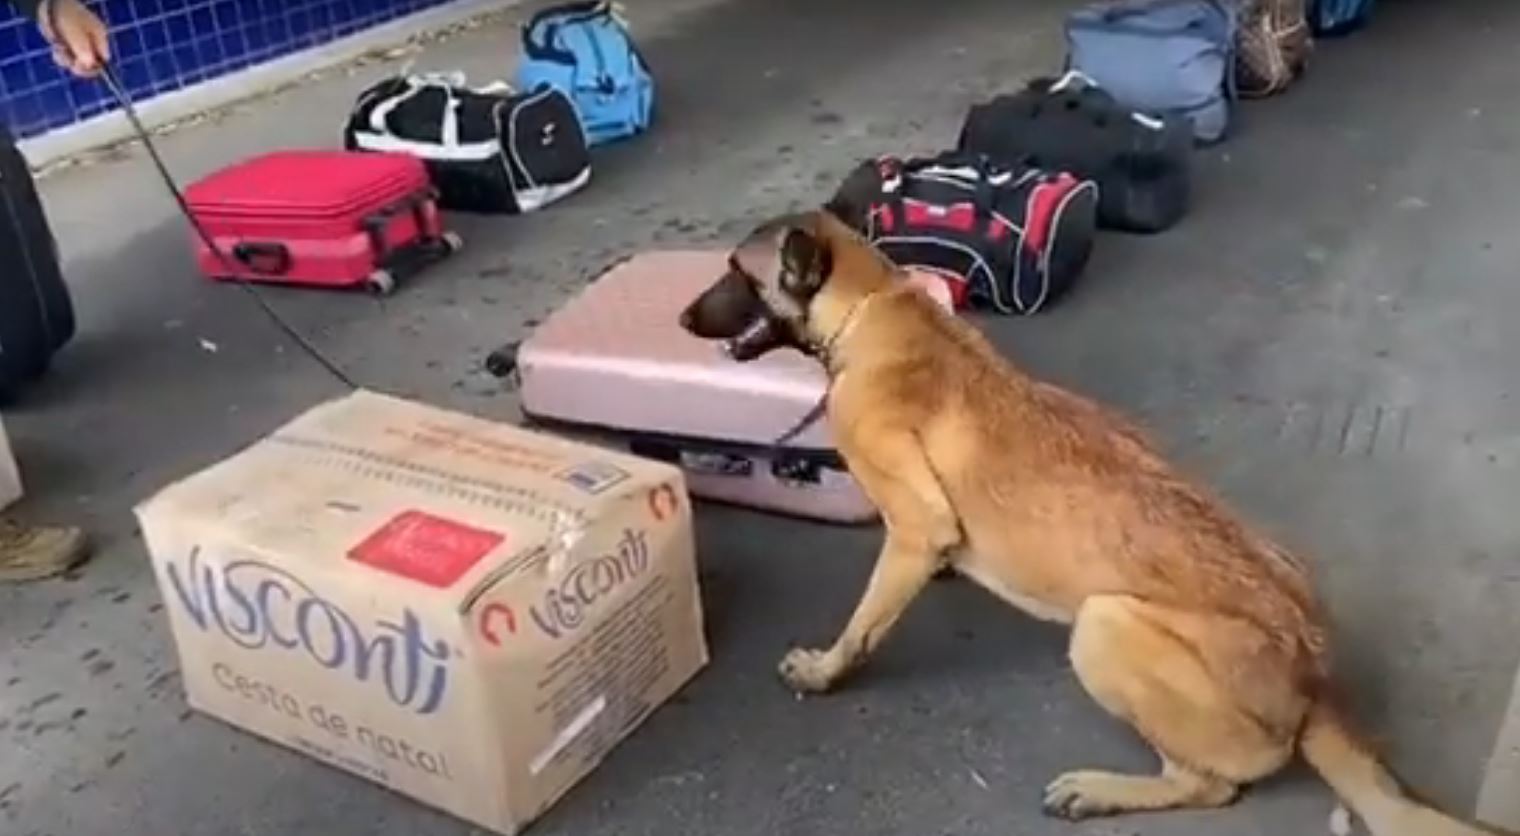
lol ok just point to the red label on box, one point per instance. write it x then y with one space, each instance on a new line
426 549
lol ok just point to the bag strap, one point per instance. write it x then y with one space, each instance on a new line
981 197
1084 93
1072 77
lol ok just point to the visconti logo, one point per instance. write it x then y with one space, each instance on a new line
564 606
265 608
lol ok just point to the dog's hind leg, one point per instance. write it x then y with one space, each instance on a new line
1157 668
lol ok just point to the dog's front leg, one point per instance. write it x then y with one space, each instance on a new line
921 527
902 570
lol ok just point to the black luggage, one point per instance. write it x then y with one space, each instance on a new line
487 150
1141 162
36 312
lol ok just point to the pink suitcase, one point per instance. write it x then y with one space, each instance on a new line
615 364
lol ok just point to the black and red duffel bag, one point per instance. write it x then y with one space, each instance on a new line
1011 239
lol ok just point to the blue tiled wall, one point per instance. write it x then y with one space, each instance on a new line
163 45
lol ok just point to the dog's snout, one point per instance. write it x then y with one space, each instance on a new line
723 310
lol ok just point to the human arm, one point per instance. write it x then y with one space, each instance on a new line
81 43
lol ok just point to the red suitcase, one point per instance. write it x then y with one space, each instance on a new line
320 218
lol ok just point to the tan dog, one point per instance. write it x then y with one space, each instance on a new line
1193 628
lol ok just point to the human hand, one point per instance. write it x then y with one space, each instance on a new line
81 43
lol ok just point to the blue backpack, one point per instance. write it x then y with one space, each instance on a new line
1339 17
1165 57
584 49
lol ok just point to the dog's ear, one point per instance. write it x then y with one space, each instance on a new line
851 202
849 211
806 263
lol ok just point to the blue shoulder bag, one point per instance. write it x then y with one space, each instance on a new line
584 49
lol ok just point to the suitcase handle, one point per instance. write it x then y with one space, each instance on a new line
270 258
375 223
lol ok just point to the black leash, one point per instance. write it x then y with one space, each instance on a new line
289 330
825 353
808 419
119 91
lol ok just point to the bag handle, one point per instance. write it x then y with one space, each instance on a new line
541 30
1081 92
1072 76
448 82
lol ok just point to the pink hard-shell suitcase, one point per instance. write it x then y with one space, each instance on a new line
320 218
614 363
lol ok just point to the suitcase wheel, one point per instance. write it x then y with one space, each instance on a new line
380 283
502 362
452 240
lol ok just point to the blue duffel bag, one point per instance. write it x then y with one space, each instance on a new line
1339 17
1161 56
584 49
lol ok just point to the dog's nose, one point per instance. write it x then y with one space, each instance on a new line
687 317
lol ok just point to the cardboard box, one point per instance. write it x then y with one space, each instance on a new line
10 473
469 613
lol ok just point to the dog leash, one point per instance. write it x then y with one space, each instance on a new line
124 100
808 419
825 354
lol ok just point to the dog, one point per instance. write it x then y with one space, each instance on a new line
1202 634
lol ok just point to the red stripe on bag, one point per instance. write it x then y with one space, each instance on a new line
960 217
1044 200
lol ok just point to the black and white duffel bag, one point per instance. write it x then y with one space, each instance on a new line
489 149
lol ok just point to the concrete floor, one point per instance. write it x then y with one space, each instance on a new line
1328 339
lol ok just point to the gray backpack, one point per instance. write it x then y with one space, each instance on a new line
1161 56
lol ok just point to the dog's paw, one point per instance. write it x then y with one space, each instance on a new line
806 671
1078 795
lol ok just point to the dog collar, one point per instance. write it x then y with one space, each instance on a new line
826 351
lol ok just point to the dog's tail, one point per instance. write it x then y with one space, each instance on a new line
1349 766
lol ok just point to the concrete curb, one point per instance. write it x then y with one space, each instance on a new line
113 126
1499 798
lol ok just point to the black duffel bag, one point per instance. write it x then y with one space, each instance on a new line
1014 239
1141 163
488 150
36 309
